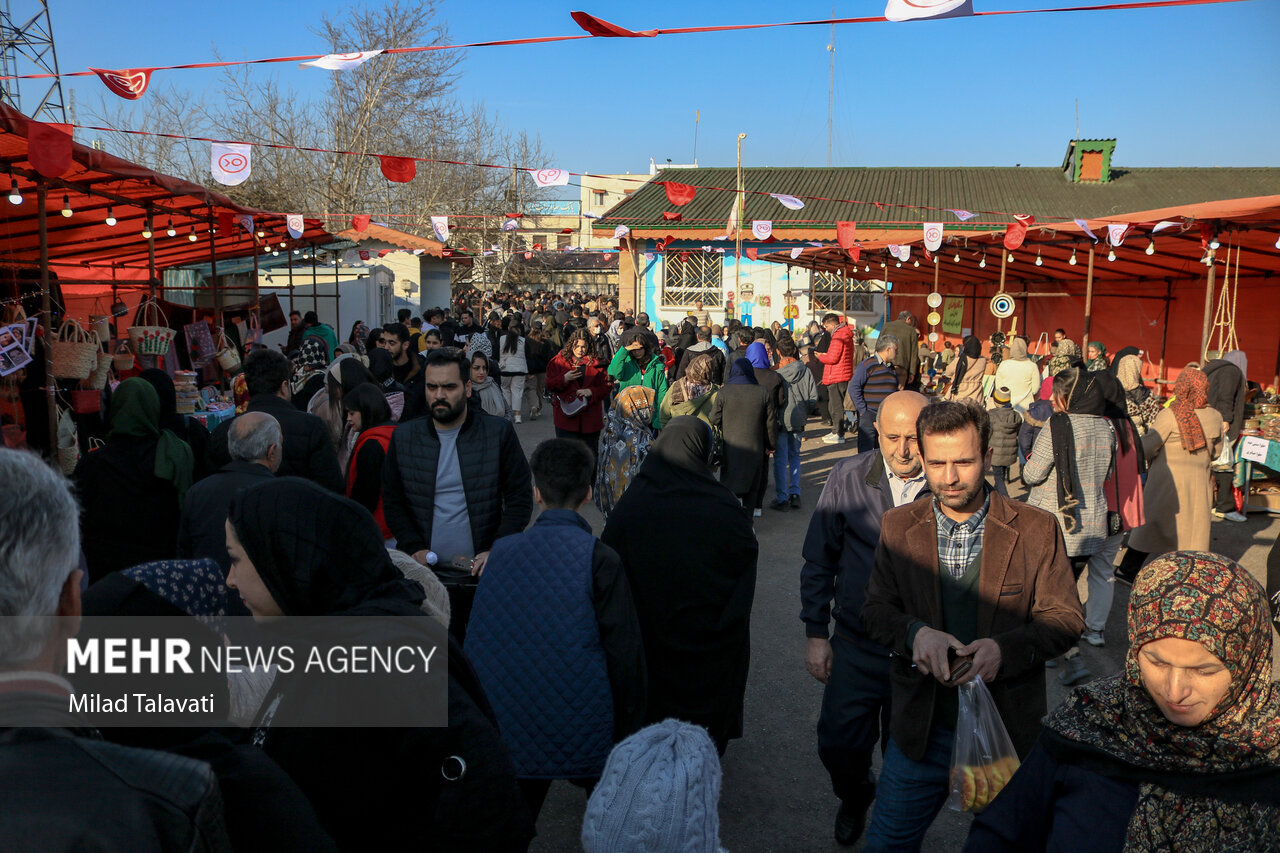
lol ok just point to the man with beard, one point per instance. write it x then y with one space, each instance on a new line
839 552
465 329
405 363
966 583
457 481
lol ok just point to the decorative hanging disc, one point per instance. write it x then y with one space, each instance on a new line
934 318
1002 305
934 299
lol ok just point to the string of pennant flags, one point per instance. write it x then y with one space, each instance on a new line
132 83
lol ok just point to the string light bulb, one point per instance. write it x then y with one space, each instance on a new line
917 263
172 232
982 264
192 236
261 233
898 264
146 232
1072 259
15 195
1011 257
1278 242
1039 260
111 218
1111 255
956 256
1151 247
1214 244
66 207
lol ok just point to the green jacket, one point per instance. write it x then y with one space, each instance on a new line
698 407
626 373
325 333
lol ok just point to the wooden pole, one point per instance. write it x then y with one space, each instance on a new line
1164 335
1208 306
337 303
46 308
315 283
1088 302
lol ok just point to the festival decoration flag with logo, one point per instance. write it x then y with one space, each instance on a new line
1084 226
932 235
245 221
440 228
902 253
620 232
1116 232
962 215
912 10
341 61
844 234
399 170
231 162
128 83
295 225
360 222
510 225
549 177
788 201
1016 232
762 229
795 253
679 194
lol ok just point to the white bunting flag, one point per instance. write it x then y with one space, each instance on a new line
648 256
245 221
1084 226
731 226
350 257
341 61
230 163
707 248
910 10
1116 232
962 215
591 215
549 177
487 252
510 225
293 222
902 253
932 235
494 247
795 253
762 229
788 201
440 227
1165 224
620 232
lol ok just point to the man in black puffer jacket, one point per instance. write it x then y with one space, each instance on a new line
456 481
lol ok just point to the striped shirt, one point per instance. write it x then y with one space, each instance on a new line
872 382
959 541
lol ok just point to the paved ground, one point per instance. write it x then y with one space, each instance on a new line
776 794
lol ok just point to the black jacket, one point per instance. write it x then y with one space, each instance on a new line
495 476
537 355
719 370
840 548
308 449
1227 389
62 792
204 513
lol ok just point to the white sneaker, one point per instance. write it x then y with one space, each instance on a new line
832 438
1094 638
517 419
755 513
1235 516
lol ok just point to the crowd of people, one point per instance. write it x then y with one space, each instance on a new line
386 475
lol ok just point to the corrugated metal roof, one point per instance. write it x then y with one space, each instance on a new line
923 194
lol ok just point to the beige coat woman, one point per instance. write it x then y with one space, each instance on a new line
1178 492
970 387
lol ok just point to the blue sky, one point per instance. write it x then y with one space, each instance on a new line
1194 86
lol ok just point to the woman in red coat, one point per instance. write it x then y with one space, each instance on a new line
579 389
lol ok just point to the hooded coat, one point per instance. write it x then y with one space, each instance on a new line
374 788
747 417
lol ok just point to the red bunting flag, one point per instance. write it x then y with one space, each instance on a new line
49 148
684 257
360 222
679 194
603 29
1017 231
751 253
128 83
855 253
537 247
844 234
398 170
671 216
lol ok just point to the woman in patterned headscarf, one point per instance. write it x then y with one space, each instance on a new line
1180 446
1143 406
692 394
1181 751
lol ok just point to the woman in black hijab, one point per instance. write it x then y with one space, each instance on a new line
299 550
747 416
690 557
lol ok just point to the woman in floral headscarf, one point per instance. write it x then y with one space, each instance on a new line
1097 353
1181 751
1179 447
1143 406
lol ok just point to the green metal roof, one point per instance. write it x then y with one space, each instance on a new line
995 193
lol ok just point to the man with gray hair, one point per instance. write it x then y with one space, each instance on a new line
62 790
255 444
873 381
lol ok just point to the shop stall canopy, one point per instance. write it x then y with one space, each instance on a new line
86 190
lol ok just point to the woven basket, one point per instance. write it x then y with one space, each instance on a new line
68 442
101 372
150 334
228 358
74 351
101 323
123 358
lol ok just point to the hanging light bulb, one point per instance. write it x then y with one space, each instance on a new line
283 244
297 251
1111 255
1151 247
1278 242
111 219
275 253
192 236
867 267
262 233
146 233
172 232
66 207
956 257
982 264
917 263
15 195
1039 260
1213 244
898 264
1072 259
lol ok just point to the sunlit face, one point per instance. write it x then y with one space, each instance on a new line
479 370
956 467
579 349
1092 351
244 579
1185 679
896 427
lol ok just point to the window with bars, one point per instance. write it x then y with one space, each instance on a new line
692 277
832 292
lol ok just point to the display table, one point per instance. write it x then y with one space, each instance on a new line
1261 494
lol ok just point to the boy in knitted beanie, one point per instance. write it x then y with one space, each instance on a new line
1005 423
659 793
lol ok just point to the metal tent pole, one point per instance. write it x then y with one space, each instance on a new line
46 308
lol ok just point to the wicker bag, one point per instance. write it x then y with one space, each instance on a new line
150 334
228 358
74 351
123 358
101 323
101 372
68 442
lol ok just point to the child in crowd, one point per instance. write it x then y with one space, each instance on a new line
1005 425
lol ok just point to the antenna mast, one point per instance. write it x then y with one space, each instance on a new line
831 86
26 47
